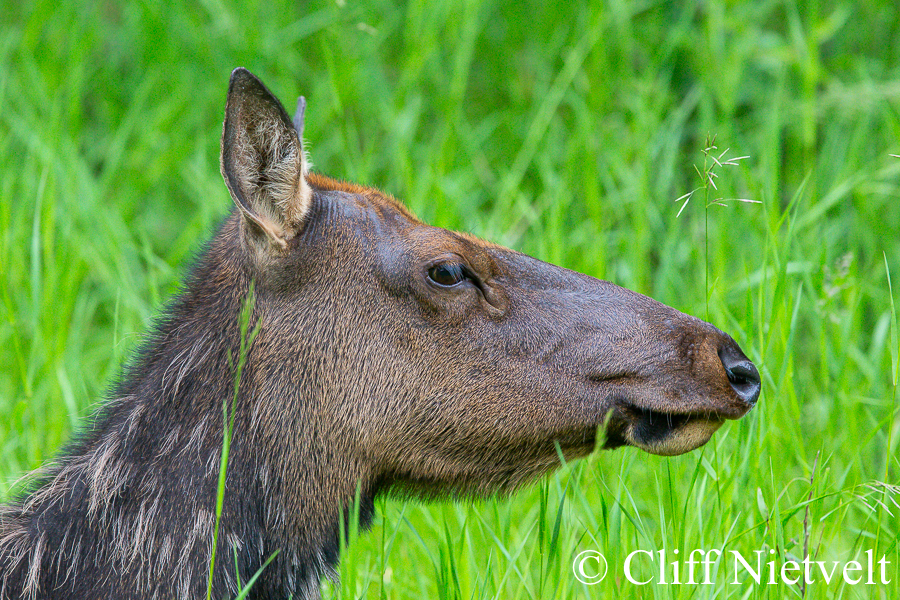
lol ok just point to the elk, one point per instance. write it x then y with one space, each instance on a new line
390 357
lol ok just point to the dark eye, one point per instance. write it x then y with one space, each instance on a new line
447 274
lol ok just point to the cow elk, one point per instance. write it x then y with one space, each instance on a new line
390 356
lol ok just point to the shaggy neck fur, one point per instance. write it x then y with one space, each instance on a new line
128 509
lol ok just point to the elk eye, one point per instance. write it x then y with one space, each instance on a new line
447 274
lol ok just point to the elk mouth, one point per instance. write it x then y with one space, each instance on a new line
658 432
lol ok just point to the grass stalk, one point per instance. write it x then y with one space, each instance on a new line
229 412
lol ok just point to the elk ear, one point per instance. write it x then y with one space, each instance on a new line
263 162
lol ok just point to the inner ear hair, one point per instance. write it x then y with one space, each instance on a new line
263 163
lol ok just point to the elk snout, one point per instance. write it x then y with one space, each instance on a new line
719 383
742 374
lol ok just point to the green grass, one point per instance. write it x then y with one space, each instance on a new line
565 132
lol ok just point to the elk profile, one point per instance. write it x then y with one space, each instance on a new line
391 356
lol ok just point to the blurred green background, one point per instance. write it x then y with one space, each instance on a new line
564 130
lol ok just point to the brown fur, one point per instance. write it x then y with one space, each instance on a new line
391 357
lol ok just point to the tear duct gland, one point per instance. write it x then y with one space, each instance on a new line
391 357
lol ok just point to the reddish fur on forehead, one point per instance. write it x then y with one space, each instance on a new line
377 197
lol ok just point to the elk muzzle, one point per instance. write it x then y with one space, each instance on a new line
727 386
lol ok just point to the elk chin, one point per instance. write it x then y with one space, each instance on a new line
664 434
692 434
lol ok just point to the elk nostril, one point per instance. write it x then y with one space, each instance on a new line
744 379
